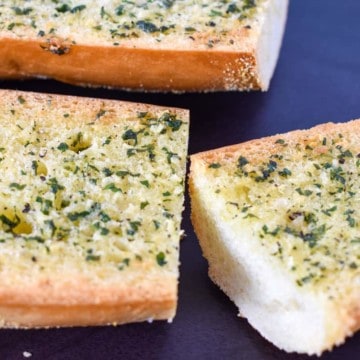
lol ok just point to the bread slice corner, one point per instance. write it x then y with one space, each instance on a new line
278 221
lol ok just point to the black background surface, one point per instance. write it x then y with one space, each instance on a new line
317 80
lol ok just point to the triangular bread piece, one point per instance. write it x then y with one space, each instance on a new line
278 220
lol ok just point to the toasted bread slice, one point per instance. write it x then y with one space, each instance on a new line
279 223
148 45
91 195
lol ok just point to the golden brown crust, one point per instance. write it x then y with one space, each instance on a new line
258 148
343 320
130 68
71 288
76 302
85 107
29 316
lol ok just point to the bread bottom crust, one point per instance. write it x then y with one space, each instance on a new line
129 68
29 316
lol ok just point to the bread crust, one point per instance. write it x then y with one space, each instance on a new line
342 316
85 106
257 149
75 301
248 64
128 68
26 317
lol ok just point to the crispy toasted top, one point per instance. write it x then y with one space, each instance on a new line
92 188
160 23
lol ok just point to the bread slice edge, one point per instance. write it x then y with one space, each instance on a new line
270 41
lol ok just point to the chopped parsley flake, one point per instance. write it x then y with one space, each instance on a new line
17 186
63 147
112 187
160 258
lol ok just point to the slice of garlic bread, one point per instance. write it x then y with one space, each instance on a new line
278 220
91 195
158 45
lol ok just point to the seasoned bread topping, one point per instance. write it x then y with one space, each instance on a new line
90 185
299 198
118 21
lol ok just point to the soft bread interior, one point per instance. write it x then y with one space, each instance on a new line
270 39
262 292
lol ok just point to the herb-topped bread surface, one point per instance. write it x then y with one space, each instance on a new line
91 195
279 222
176 45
